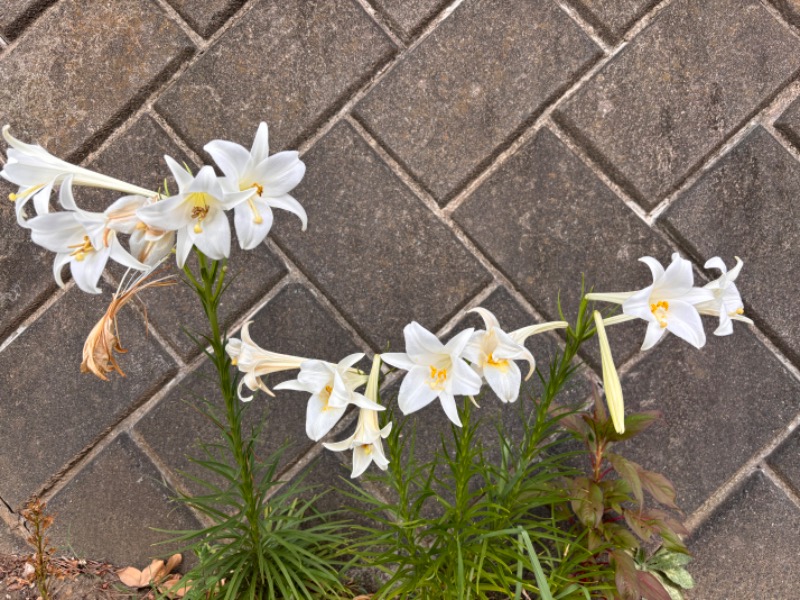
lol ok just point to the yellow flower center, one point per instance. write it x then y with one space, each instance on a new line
326 396
367 448
82 249
501 364
200 202
738 311
660 310
438 378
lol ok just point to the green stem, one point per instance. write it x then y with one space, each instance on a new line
209 288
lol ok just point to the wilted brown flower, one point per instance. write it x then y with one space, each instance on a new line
103 340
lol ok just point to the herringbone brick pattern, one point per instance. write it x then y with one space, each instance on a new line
461 153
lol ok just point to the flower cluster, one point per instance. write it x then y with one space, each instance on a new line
670 304
253 184
460 367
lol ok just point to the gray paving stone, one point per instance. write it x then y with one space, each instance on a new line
748 549
206 16
746 206
472 85
293 323
372 246
544 218
110 509
612 18
720 405
252 273
80 67
670 98
26 278
410 15
790 9
136 156
10 543
53 411
303 58
786 461
15 14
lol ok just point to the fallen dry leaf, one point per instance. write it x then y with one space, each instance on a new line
151 574
172 587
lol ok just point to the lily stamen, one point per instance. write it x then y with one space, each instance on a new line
25 193
82 249
438 378
659 310
257 218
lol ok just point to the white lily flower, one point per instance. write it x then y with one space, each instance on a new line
255 362
82 239
611 383
332 388
492 354
366 441
37 172
727 303
197 213
435 370
669 304
269 179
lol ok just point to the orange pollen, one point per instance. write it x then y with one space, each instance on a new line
659 310
367 448
259 188
82 249
438 377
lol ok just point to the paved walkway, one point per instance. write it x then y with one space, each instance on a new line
463 153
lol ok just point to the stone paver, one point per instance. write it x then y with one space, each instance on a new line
291 323
484 73
410 15
786 461
720 405
553 219
760 523
25 269
747 206
370 238
612 18
10 543
679 89
206 16
303 57
50 410
53 91
111 508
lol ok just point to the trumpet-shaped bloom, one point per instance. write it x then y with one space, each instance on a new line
255 362
727 303
37 172
492 353
435 370
669 304
366 441
147 244
82 239
332 388
611 384
197 213
268 179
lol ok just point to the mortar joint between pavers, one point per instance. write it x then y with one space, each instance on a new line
780 483
724 491
35 313
176 18
170 478
773 10
586 27
384 23
28 18
333 310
